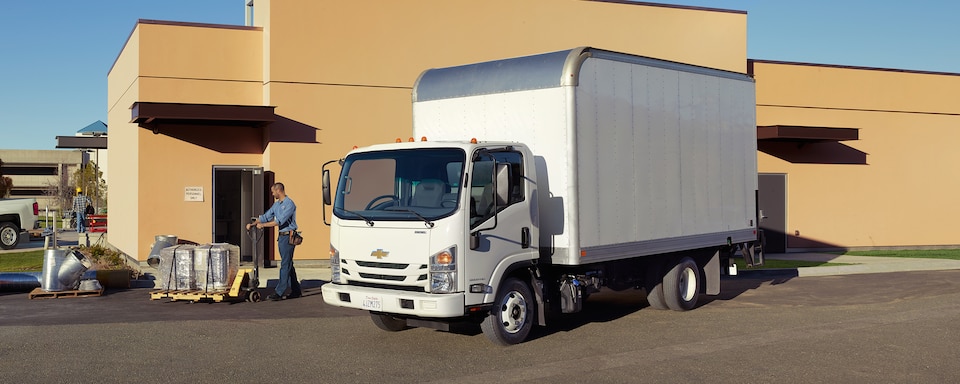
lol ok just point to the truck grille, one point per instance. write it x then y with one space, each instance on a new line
382 277
373 264
399 276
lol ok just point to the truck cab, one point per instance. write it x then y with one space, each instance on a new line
422 232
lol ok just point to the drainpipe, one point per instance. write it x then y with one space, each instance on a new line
248 20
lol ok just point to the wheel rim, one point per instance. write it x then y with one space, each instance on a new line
513 312
8 236
688 284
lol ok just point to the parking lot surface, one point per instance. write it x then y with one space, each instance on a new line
765 327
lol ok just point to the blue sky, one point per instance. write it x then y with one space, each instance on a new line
55 54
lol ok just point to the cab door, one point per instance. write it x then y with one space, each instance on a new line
500 230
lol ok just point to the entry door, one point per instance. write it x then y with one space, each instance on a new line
772 201
237 198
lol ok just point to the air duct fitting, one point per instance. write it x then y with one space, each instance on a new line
62 269
160 242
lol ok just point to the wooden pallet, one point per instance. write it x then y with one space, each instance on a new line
38 293
191 295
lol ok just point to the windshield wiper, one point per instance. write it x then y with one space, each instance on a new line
369 222
426 221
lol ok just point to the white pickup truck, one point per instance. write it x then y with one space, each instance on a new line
16 217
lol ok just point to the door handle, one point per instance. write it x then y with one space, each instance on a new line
525 237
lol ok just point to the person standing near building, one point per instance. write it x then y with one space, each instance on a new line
283 214
80 203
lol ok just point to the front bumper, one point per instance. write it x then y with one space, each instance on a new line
394 302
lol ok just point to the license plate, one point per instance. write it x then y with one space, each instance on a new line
372 303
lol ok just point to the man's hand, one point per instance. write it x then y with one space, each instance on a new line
255 222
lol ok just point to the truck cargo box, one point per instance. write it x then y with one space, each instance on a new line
642 156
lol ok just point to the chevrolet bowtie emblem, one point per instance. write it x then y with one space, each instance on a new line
379 253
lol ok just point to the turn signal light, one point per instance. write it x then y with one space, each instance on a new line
444 258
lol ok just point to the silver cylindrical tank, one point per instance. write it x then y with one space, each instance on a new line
52 258
183 267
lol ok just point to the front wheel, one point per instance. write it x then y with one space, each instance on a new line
681 285
9 236
511 317
388 323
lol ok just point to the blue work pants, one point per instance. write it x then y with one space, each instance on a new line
288 274
81 222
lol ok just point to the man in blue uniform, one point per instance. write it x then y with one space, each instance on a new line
282 214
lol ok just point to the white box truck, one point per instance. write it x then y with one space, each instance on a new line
538 180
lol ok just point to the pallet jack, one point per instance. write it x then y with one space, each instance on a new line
243 288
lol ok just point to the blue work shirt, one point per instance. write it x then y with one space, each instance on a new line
285 212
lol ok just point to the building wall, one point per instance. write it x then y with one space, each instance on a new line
52 166
901 193
183 64
340 74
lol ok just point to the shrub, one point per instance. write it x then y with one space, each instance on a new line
104 258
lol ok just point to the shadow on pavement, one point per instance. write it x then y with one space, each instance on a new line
608 305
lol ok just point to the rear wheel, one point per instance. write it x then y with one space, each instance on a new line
511 317
9 235
388 323
681 285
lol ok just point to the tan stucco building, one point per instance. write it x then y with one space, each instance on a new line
892 185
204 117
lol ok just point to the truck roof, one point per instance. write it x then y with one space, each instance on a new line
466 145
546 70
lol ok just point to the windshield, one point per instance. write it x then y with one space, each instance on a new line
407 185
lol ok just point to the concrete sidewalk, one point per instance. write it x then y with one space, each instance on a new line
316 272
863 264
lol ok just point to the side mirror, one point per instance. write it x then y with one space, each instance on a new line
326 187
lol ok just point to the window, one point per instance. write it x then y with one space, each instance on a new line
482 191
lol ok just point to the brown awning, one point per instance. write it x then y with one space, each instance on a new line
806 134
149 114
85 142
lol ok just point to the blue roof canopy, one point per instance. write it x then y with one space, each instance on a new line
96 128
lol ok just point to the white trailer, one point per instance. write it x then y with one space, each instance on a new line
588 169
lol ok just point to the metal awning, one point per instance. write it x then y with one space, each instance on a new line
150 114
84 142
806 134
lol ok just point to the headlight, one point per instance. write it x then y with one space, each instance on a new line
443 271
334 265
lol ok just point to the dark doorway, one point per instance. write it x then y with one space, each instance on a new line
772 202
237 198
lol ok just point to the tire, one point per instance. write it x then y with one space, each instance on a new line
513 313
388 323
654 287
681 285
9 235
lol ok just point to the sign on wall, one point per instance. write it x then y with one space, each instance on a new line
193 194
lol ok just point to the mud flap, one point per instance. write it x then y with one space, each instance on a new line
537 286
711 272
